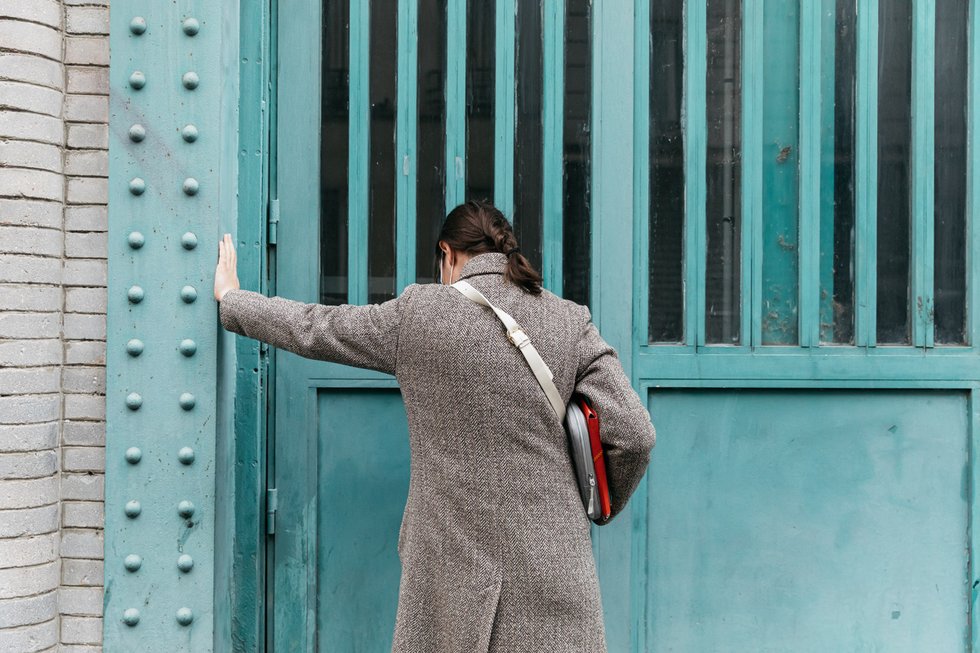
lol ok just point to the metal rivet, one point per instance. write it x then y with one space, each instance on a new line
133 455
188 347
185 563
188 294
136 239
137 186
133 562
188 240
191 186
137 25
135 294
185 616
137 132
191 26
133 508
190 80
131 616
185 508
186 400
134 400
137 79
189 132
134 347
185 455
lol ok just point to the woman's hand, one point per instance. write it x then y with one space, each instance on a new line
226 274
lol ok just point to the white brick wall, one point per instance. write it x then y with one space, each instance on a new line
54 57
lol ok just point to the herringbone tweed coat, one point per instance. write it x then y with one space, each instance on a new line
494 542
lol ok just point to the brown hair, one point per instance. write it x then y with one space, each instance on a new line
477 226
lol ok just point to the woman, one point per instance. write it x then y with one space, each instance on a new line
494 541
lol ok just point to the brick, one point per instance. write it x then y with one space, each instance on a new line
83 459
21 581
31 126
28 610
31 155
82 487
85 272
29 380
28 464
31 240
81 543
31 37
82 601
84 379
81 630
29 325
88 135
30 352
39 213
30 639
31 68
24 96
79 648
34 184
29 437
90 163
87 190
91 50
82 326
84 300
85 407
87 108
83 514
24 297
86 218
85 352
88 79
39 11
86 244
82 572
31 493
27 551
29 409
24 522
87 20
90 434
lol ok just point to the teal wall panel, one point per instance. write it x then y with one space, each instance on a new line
165 199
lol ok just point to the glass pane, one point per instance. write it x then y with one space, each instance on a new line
335 120
780 172
666 305
577 152
430 194
837 172
724 118
381 206
894 173
951 166
480 57
528 143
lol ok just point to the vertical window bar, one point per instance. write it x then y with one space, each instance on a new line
695 158
866 188
503 157
360 119
528 138
455 103
643 162
406 165
973 201
480 82
809 176
551 200
923 168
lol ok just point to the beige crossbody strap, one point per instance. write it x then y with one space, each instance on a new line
520 340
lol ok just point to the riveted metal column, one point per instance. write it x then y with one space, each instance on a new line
164 207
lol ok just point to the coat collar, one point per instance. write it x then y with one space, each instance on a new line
485 263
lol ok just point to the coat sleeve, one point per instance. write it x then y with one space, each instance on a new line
361 336
625 427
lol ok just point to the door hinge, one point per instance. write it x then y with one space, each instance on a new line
273 221
271 505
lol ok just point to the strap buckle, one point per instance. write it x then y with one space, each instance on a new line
517 336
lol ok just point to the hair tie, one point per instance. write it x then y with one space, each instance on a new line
513 250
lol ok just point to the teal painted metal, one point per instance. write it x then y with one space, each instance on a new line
407 173
504 107
811 117
753 129
866 174
923 169
360 152
455 103
973 182
553 145
165 196
825 202
695 162
641 174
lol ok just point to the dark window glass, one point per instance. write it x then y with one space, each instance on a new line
666 306
381 178
577 152
952 18
335 120
894 169
780 172
480 63
837 175
430 196
528 143
723 178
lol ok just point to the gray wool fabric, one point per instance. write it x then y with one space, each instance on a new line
494 542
